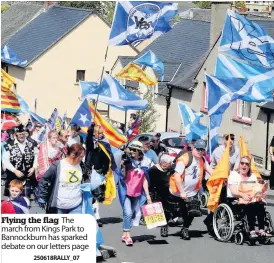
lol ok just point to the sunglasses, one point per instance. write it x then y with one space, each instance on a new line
153 141
200 149
133 150
231 138
244 163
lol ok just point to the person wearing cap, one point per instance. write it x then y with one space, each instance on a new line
186 182
74 135
156 145
20 159
133 187
234 153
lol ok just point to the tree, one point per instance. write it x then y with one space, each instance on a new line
4 7
240 4
104 8
203 4
150 115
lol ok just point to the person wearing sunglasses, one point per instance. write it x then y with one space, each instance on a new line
234 152
133 187
186 182
252 208
156 145
36 132
149 153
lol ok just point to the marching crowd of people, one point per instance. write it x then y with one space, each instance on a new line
54 169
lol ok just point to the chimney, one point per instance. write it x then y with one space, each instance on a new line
47 4
218 13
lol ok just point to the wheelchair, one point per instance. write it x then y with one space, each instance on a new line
230 224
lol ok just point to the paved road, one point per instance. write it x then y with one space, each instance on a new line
150 247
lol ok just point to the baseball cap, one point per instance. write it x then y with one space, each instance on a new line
200 144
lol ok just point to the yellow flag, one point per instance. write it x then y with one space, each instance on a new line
6 79
58 125
135 73
216 180
244 152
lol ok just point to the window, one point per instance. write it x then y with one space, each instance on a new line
15 87
243 111
204 107
80 75
256 10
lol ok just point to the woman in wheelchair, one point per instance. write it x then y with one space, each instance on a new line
249 193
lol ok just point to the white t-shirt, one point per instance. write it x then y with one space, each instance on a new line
69 192
192 174
235 179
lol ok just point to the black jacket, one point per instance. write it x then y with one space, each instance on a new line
45 189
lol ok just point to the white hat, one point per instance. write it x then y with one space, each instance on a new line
137 145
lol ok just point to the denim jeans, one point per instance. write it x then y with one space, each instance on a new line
75 210
131 205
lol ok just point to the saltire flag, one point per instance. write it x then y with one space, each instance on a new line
63 122
23 105
214 124
9 101
10 57
52 119
111 92
135 21
6 79
244 152
191 120
134 73
36 118
227 67
149 59
246 40
223 91
217 179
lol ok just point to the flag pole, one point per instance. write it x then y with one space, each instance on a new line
101 78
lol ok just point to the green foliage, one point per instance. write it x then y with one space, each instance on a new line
150 115
240 4
203 4
4 7
104 8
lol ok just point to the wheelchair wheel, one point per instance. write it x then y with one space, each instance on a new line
223 223
239 238
204 200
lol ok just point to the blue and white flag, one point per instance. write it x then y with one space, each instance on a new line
112 93
149 59
36 118
82 116
223 91
63 122
191 120
136 123
246 40
10 57
227 67
136 21
24 107
52 119
214 125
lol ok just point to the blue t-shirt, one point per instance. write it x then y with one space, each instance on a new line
152 156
